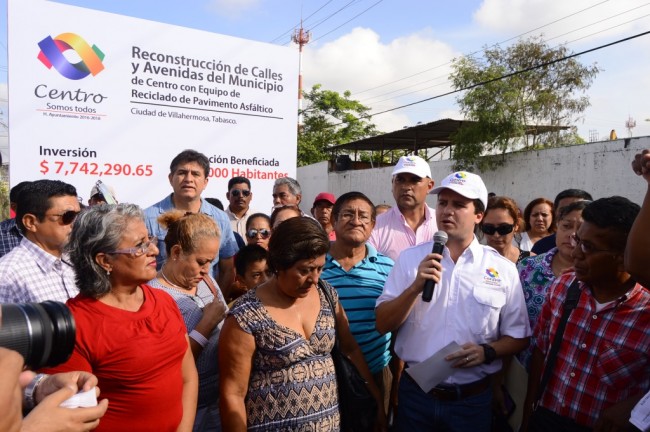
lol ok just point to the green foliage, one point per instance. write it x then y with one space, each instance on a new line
321 128
551 95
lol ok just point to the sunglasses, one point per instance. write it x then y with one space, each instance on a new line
252 233
66 218
502 229
237 192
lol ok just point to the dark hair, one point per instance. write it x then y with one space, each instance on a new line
504 203
187 156
187 229
236 180
257 216
529 209
349 196
215 202
479 207
98 229
574 206
279 209
614 213
247 255
14 193
34 198
296 239
571 193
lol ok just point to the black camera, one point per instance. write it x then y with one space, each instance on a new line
43 333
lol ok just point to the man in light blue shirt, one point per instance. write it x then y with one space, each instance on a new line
189 177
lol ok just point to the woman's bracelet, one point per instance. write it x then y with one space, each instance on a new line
199 338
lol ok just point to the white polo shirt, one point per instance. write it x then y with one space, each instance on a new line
478 300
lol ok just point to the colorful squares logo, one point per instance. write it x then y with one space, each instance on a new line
52 50
492 273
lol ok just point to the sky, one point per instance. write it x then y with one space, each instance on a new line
390 53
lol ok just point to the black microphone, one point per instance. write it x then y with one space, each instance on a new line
439 240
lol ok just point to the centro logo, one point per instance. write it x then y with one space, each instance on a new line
460 175
52 50
492 273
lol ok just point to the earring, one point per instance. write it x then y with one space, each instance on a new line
108 272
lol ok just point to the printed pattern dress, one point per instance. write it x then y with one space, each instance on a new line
292 386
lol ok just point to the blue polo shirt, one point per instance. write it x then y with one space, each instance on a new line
227 243
358 290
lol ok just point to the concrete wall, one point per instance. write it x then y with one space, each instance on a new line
601 168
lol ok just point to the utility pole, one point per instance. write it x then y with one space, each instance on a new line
301 37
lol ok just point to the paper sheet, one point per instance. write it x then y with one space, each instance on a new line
641 414
435 369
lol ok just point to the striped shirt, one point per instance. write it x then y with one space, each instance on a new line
605 355
29 274
358 290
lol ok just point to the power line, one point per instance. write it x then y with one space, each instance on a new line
329 16
354 17
549 39
302 21
528 69
478 51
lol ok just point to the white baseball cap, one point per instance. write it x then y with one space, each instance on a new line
414 165
466 184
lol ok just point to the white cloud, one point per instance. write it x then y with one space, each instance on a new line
360 61
232 8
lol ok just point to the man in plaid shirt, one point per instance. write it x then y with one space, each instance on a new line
602 367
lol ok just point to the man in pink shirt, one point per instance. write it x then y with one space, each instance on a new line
411 221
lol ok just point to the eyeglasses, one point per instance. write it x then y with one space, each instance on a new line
137 251
67 217
502 229
348 216
586 248
237 192
252 233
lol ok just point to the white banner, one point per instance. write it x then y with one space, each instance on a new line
94 95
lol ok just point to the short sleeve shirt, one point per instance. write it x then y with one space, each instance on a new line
479 300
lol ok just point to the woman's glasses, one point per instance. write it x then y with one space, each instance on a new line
137 251
252 233
67 217
502 229
237 192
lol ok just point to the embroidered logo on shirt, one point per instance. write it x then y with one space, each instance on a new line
492 277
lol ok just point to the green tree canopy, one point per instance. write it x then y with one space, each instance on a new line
553 95
330 119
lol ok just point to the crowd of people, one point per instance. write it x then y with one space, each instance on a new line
192 316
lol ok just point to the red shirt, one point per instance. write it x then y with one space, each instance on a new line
137 358
604 357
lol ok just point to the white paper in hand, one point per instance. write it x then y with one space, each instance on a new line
435 369
82 399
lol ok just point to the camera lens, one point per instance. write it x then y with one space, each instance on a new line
43 333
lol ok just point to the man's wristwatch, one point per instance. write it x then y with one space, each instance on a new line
30 391
489 353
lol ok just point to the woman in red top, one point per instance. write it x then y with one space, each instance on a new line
131 336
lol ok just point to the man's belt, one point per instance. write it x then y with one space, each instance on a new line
455 392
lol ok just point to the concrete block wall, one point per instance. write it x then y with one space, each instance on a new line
600 168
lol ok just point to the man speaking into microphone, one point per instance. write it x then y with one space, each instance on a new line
477 302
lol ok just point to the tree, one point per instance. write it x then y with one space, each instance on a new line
330 119
554 94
